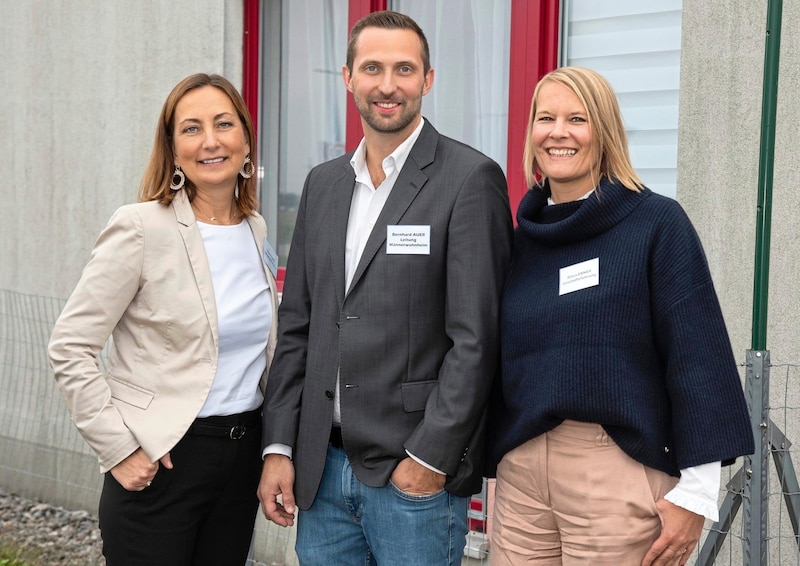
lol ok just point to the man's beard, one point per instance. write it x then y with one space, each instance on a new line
407 115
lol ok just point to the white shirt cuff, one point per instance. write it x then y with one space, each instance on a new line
277 448
698 490
420 462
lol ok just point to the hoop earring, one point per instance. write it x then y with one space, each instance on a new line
178 179
243 171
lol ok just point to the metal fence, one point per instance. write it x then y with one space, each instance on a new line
42 457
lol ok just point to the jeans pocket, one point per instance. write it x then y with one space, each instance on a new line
413 496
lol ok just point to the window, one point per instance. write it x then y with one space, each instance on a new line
303 103
487 56
635 44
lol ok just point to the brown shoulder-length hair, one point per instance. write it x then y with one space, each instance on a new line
160 168
605 120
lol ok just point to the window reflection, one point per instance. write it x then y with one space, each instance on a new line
304 103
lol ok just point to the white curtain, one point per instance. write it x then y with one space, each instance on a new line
469 42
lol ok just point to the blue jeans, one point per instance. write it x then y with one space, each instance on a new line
351 524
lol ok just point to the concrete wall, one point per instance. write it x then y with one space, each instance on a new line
83 82
722 63
722 70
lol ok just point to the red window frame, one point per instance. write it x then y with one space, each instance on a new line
533 53
251 57
357 10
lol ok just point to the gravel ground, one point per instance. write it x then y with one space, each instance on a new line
49 535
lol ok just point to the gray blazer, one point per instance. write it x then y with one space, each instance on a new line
415 337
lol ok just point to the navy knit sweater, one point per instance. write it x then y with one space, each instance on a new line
645 352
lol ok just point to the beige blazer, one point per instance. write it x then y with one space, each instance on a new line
148 286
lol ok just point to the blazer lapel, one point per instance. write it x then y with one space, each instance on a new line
342 192
408 185
187 225
260 236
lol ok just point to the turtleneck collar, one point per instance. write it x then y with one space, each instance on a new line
578 220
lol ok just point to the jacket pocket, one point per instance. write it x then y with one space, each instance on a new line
415 394
129 393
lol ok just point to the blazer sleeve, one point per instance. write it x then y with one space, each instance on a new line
478 250
107 286
281 412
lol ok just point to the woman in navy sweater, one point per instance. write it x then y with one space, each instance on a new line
620 397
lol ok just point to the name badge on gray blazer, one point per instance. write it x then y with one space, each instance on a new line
408 239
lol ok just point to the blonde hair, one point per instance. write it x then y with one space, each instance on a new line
158 174
605 121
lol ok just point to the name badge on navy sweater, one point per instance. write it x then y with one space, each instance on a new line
579 276
408 239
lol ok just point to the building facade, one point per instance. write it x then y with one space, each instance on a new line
83 83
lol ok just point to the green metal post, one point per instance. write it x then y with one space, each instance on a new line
766 162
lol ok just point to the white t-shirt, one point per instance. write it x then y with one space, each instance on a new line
244 315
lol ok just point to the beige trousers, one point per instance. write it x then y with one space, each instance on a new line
572 496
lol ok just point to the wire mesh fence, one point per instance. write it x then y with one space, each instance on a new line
42 456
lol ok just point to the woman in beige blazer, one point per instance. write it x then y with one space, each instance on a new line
184 283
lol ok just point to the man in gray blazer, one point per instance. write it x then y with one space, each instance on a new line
388 328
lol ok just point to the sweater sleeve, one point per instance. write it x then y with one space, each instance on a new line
709 414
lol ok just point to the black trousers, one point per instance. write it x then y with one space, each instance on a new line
199 513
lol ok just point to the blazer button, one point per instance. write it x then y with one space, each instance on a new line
338 324
329 394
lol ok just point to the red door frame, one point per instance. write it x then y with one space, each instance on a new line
251 58
357 10
534 53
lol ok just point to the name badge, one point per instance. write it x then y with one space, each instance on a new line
270 258
405 239
579 276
